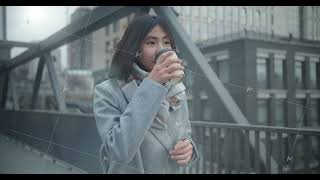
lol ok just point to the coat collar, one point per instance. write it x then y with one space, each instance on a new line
129 89
157 127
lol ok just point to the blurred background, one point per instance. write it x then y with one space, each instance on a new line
253 93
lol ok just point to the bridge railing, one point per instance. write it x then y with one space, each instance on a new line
225 148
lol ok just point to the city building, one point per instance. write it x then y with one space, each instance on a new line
80 51
203 22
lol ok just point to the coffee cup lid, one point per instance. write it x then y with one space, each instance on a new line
163 51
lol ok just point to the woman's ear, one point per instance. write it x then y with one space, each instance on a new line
137 56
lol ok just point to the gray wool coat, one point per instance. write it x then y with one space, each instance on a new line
132 140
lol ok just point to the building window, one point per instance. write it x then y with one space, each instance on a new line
189 28
243 15
315 118
262 112
195 12
107 63
195 31
212 14
203 11
188 10
107 30
115 43
107 46
235 14
263 19
207 109
227 29
261 73
204 29
223 70
293 21
318 75
313 75
299 152
299 111
299 74
279 114
257 19
315 150
116 26
220 30
220 13
111 28
228 16
249 18
278 72
177 9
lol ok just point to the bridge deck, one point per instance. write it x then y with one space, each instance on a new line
17 157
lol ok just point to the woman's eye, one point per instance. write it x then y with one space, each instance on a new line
167 43
150 43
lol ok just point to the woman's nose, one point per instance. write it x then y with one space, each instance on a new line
160 47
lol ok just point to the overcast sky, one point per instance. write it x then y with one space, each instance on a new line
35 23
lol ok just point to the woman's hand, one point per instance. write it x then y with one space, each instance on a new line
182 152
161 71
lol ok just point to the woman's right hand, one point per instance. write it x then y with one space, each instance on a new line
162 70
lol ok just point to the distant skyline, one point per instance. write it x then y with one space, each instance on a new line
35 23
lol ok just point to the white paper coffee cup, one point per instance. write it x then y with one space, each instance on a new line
172 81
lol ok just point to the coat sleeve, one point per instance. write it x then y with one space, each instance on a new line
123 133
195 154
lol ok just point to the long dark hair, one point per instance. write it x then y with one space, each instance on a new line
130 43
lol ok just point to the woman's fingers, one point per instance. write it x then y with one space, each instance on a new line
171 76
182 156
163 56
162 71
170 61
184 162
182 150
173 67
182 144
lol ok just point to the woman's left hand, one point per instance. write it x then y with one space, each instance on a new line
182 152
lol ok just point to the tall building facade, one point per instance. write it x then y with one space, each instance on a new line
105 42
272 73
203 22
209 24
2 22
80 50
310 22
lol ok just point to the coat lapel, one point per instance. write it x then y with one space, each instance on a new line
163 137
157 128
129 89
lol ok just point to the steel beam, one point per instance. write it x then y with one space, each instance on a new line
57 90
98 18
4 22
37 82
4 43
142 11
4 80
4 76
14 95
189 49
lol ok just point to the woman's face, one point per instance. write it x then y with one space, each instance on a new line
152 43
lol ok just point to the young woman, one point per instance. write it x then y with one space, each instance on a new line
142 119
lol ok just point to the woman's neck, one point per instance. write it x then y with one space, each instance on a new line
142 66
